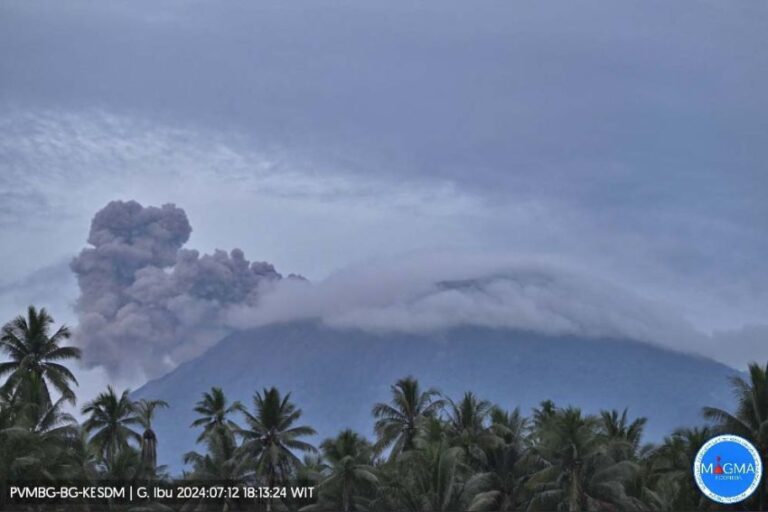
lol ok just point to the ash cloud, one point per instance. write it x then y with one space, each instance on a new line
146 303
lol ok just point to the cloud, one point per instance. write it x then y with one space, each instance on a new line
145 303
739 347
148 304
317 219
440 291
52 287
628 139
70 163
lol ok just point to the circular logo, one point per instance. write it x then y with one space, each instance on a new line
728 469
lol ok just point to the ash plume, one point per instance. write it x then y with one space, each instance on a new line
146 303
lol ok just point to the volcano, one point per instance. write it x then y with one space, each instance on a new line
336 375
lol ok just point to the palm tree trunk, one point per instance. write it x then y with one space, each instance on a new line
574 493
149 452
345 497
271 484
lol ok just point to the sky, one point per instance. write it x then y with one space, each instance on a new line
623 141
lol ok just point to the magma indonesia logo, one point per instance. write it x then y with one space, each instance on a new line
728 469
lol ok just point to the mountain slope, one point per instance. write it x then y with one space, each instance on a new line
337 375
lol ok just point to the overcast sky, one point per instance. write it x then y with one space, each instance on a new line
624 140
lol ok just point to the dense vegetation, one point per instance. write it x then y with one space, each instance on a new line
429 453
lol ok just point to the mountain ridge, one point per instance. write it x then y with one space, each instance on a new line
336 375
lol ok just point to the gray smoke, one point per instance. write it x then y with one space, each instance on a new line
145 302
149 304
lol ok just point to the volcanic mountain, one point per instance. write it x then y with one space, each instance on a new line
336 375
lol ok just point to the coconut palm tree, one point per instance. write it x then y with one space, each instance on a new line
223 462
541 416
543 413
618 426
123 465
40 429
270 437
350 470
145 411
576 471
397 422
468 427
36 353
623 436
432 477
23 456
506 464
312 471
750 419
110 420
671 482
214 411
653 489
81 461
52 421
35 439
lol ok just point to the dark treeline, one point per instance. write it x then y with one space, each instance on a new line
429 452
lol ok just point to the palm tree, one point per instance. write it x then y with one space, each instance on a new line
81 461
467 425
670 482
543 413
53 421
750 419
432 430
506 464
34 352
397 422
430 478
110 420
123 465
214 411
312 471
622 435
35 412
576 470
350 458
616 426
653 488
145 410
35 438
223 462
271 438
24 456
